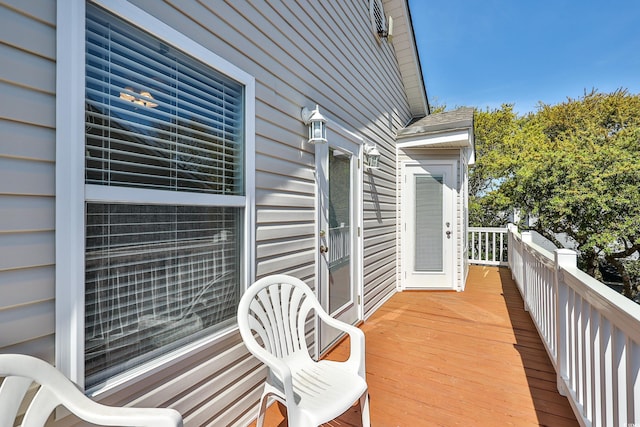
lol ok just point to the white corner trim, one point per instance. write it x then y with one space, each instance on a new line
69 232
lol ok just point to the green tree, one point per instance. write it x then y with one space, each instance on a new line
575 167
497 134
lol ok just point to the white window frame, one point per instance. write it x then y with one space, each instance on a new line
72 193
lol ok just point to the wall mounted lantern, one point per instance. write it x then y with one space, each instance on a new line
317 125
372 155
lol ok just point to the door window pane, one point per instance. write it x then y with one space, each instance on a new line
429 227
339 229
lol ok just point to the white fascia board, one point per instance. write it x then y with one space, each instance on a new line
461 138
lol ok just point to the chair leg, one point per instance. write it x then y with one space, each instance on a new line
364 410
263 410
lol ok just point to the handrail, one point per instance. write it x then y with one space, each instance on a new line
487 245
591 332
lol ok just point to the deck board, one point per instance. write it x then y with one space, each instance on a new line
449 359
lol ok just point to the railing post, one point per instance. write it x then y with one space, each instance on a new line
473 245
568 259
511 228
527 237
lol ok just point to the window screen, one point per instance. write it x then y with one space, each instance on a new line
158 275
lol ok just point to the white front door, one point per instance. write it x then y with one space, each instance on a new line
428 228
339 244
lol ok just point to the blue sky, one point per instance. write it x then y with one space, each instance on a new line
483 53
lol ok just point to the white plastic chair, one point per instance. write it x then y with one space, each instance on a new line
21 371
271 316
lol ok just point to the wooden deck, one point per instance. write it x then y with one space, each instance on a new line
456 359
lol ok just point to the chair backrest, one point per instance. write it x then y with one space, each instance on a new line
22 372
276 308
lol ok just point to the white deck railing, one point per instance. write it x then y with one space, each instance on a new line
488 246
591 332
340 241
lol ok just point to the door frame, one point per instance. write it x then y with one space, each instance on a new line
339 138
408 204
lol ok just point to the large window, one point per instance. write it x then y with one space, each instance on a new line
166 197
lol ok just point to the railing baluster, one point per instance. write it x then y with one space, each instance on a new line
487 246
572 340
493 246
596 370
634 380
607 373
586 359
620 378
590 332
579 356
473 245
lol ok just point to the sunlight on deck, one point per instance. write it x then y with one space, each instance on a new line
445 359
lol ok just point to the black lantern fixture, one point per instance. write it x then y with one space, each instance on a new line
317 125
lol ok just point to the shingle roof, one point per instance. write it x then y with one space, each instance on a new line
448 120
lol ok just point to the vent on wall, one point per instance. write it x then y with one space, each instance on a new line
382 26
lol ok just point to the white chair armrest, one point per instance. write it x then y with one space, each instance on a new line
114 416
56 389
356 342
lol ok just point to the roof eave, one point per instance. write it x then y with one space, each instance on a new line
406 49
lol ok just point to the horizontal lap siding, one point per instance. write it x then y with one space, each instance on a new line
300 54
27 177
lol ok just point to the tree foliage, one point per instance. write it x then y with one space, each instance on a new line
574 167
496 135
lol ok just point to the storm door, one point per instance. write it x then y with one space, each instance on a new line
339 234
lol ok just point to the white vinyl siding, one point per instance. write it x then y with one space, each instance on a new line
302 54
354 79
355 83
27 176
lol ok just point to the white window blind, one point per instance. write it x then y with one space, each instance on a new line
157 118
429 227
161 275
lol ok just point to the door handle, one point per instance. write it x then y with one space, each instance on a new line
323 249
